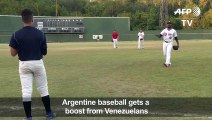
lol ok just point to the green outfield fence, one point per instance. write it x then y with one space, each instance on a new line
97 26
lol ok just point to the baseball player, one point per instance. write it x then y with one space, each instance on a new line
115 37
140 39
168 35
30 45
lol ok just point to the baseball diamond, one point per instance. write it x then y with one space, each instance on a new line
133 68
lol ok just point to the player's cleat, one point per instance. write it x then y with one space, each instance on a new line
167 65
50 116
30 118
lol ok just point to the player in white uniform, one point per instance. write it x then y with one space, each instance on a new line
140 39
168 35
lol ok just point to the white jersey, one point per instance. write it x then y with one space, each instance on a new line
169 35
141 35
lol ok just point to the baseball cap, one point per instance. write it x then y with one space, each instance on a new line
169 22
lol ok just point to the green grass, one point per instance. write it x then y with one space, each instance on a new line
95 69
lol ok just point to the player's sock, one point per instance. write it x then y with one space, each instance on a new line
46 103
27 108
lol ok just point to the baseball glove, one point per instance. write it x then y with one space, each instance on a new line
175 47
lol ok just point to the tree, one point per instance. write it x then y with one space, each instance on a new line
206 20
142 13
73 6
152 19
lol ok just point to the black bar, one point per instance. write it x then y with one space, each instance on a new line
115 107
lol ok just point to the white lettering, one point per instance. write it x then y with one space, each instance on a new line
94 111
188 11
189 23
178 11
183 22
182 11
64 102
74 111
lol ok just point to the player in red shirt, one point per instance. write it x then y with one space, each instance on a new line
115 37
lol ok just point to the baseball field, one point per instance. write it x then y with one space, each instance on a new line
96 69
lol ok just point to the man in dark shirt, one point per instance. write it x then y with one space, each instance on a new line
30 45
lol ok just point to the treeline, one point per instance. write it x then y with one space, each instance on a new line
143 14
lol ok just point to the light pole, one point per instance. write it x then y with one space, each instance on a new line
56 8
163 13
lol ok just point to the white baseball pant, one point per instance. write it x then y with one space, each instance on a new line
29 70
115 43
167 48
140 43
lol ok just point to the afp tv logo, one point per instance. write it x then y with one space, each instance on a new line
195 10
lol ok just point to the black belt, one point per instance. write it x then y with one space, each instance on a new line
167 41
